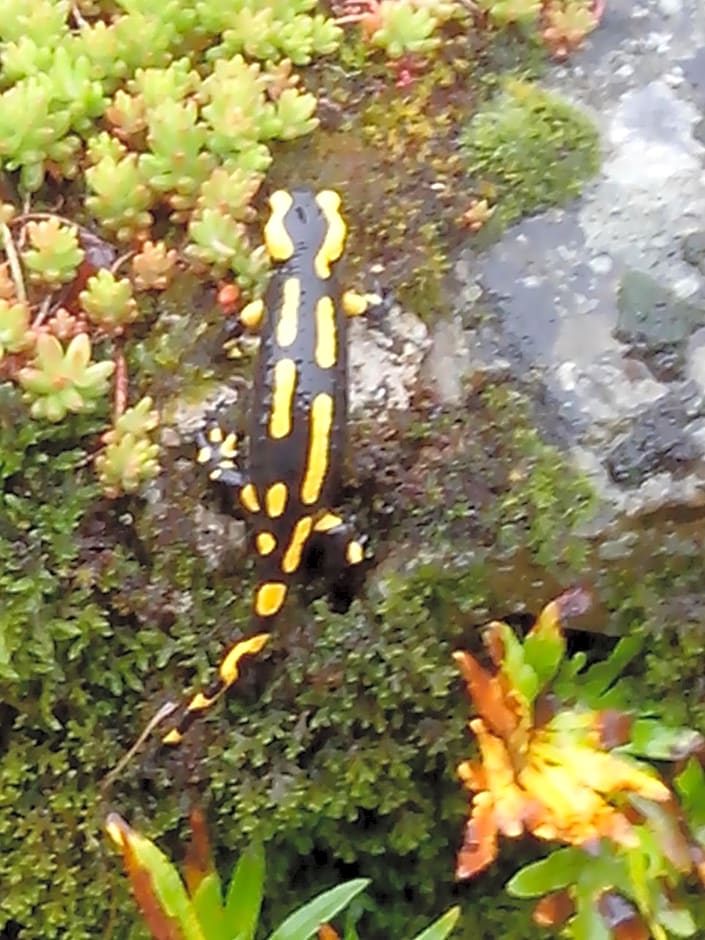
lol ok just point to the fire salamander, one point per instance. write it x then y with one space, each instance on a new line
298 423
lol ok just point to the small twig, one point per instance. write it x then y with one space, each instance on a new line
120 393
78 17
118 263
44 309
167 709
33 216
13 260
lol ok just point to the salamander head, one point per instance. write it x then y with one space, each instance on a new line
306 225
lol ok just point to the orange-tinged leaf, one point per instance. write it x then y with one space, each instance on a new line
161 925
554 909
621 917
479 848
487 695
613 728
198 863
496 761
326 932
473 775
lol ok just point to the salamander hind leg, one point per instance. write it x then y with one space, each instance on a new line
217 453
339 555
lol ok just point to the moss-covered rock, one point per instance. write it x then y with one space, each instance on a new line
530 148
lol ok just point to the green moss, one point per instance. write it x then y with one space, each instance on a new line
532 148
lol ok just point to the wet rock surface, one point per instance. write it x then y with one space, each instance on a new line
602 303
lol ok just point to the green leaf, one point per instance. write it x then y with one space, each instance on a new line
440 928
559 870
678 921
304 922
521 676
543 652
600 677
690 784
168 886
651 738
208 904
244 900
588 923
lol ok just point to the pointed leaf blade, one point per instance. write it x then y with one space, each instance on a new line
303 923
440 928
242 907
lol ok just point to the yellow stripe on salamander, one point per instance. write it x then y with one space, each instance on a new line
326 333
332 248
282 398
318 448
288 324
292 556
276 238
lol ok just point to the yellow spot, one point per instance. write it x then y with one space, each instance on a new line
204 455
248 498
354 553
327 522
276 500
228 448
318 448
288 324
226 464
229 667
354 304
199 703
282 398
173 737
252 313
215 435
292 556
332 247
326 333
215 474
266 543
276 238
269 598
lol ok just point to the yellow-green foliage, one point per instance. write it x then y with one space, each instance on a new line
532 148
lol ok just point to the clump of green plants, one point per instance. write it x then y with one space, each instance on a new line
201 911
61 380
130 456
176 118
530 148
561 759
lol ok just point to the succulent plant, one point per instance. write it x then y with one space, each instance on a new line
265 30
566 24
55 254
15 333
230 189
7 285
215 238
108 302
63 380
177 160
130 457
65 325
153 266
401 27
503 12
120 198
